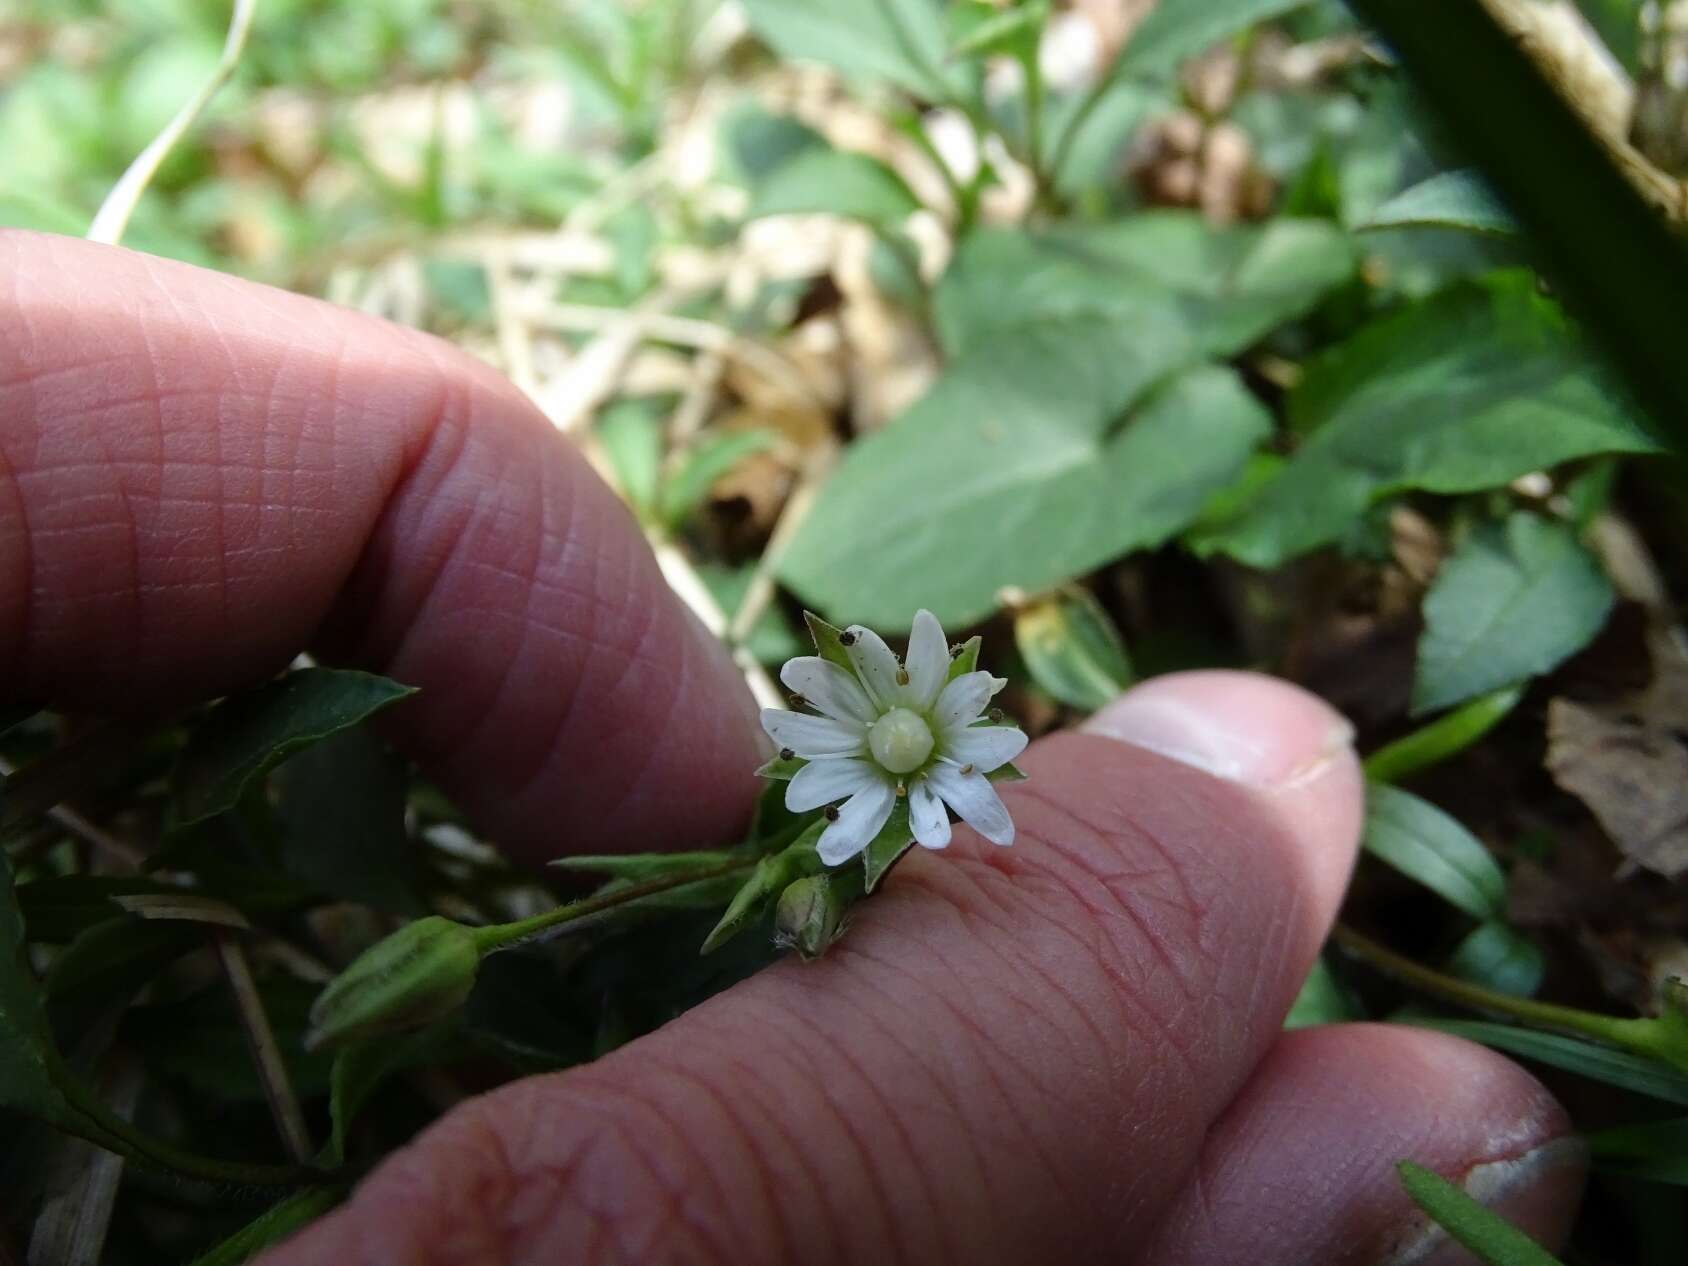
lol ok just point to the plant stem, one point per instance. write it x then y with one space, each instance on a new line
142 1146
1444 737
579 915
1069 135
1639 1035
1041 178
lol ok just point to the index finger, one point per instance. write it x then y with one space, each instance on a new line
201 476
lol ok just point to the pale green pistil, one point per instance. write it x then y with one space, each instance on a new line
901 741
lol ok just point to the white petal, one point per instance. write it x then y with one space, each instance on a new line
814 737
875 665
828 688
928 661
964 699
973 797
984 747
825 780
927 816
860 818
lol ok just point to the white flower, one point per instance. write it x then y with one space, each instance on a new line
888 730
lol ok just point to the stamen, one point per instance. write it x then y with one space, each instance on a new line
787 754
847 638
901 791
995 714
798 701
832 813
967 769
902 676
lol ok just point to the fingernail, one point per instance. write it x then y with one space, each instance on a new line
1538 1193
1243 727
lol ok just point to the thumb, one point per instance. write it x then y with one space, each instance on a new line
1015 1055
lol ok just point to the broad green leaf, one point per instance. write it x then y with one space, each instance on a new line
341 809
247 735
1460 392
755 143
1072 649
899 41
1217 289
1495 1240
1323 1000
1498 957
1511 603
27 1055
273 1225
684 490
111 961
1424 843
1176 30
1598 1063
1025 465
1654 1150
837 182
1448 200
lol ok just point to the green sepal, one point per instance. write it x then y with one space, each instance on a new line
781 769
1008 771
767 881
887 848
966 659
829 641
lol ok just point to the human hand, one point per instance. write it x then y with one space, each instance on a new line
1065 1051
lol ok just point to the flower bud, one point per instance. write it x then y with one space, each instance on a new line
420 973
811 912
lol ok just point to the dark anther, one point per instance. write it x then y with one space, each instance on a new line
847 638
798 701
832 813
995 714
786 753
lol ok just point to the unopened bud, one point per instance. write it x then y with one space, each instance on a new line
420 973
810 914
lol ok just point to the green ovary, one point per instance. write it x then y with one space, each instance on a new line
900 740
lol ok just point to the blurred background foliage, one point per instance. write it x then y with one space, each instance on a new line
1139 336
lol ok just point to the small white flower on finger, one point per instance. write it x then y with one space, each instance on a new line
887 729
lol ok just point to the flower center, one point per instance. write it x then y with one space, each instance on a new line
900 740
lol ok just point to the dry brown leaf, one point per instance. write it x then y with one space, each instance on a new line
1628 762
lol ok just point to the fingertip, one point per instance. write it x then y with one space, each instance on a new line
1286 745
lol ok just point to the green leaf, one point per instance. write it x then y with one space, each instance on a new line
247 735
766 882
273 1225
684 490
341 809
1072 649
1447 200
1323 1000
1177 30
1499 957
1621 266
1460 392
884 850
28 1057
1446 736
1511 603
837 182
631 433
1425 844
1212 291
901 41
111 961
1654 1150
1485 1233
1022 467
1598 1063
990 31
